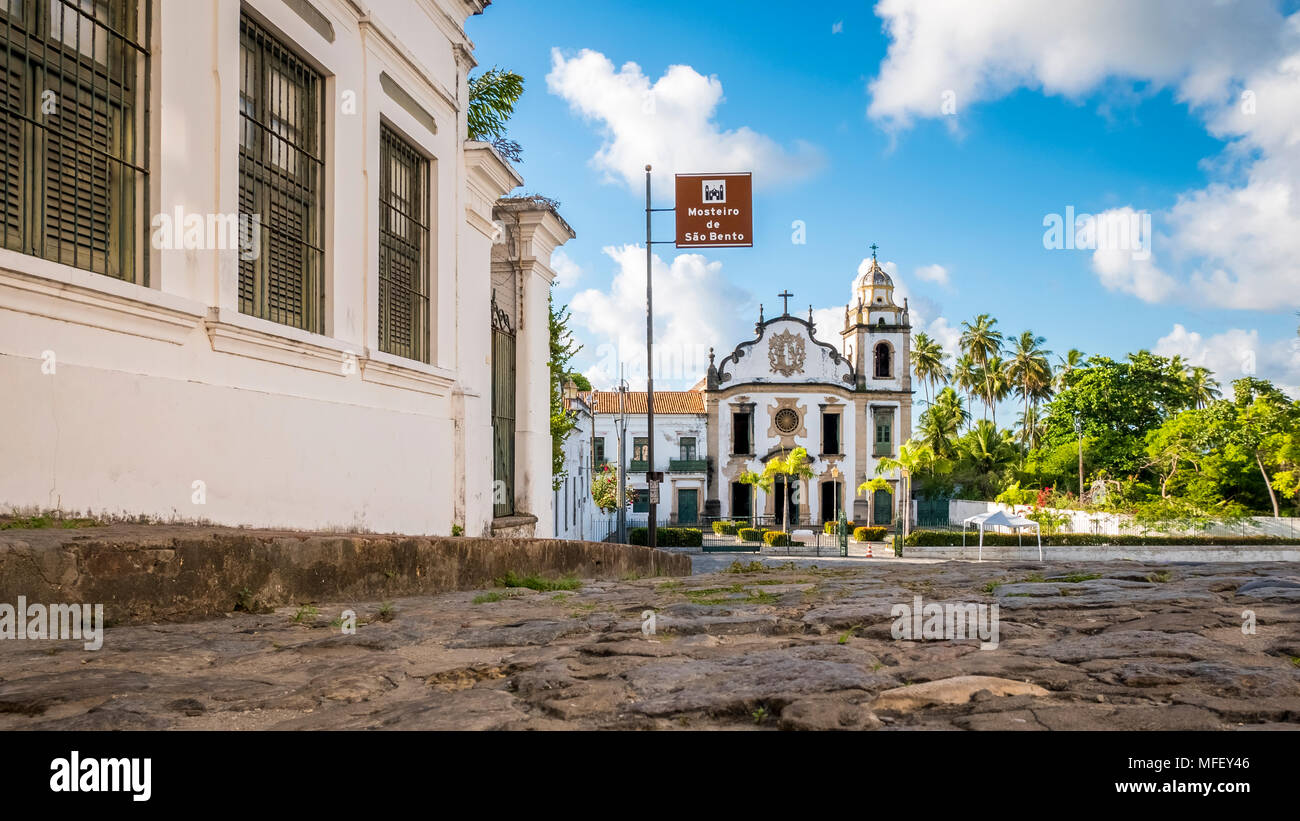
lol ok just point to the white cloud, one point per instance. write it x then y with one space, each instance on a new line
1237 353
668 123
567 272
695 308
933 273
1236 64
837 27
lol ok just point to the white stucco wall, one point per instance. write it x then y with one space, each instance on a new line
669 430
157 387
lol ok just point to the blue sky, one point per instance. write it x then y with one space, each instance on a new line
1133 125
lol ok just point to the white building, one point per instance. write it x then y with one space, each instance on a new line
681 451
572 506
248 272
847 406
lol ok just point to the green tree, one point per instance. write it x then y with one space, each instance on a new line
761 481
1202 387
563 348
927 363
913 457
982 342
492 98
1030 371
792 469
966 377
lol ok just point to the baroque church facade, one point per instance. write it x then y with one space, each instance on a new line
849 406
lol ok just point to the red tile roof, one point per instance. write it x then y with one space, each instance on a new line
634 402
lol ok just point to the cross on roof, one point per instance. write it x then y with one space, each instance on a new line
873 250
785 297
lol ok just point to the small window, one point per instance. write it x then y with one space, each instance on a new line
640 449
687 447
740 433
598 450
884 362
884 436
830 433
642 502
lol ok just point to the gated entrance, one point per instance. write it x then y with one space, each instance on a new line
882 504
503 411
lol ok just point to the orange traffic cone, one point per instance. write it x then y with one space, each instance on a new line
869 556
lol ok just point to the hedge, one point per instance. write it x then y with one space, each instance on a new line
668 536
947 538
726 528
750 534
828 527
868 534
775 538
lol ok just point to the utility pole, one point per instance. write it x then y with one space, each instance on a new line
1078 429
622 460
651 539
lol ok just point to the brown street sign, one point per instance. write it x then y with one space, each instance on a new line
715 211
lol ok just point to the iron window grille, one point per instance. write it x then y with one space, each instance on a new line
403 248
281 174
73 92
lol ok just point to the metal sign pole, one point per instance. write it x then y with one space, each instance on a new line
649 373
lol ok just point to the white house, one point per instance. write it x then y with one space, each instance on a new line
848 406
681 451
248 273
572 506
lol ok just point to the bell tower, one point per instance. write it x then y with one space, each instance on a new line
877 332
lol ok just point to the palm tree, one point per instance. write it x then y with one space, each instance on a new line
1031 427
996 381
966 376
793 468
1202 387
756 481
940 425
1073 359
913 456
927 362
988 451
870 487
1031 373
492 98
982 342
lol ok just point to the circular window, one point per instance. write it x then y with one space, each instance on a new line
786 420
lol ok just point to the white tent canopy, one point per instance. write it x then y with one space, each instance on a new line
1000 518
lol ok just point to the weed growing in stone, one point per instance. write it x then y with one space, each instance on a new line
536 582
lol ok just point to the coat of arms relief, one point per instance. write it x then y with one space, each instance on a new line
785 353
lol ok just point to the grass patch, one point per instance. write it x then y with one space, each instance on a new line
1295 661
848 634
306 612
992 587
536 582
672 585
46 523
489 597
1160 578
1075 578
386 612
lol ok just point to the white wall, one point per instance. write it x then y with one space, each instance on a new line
669 429
156 388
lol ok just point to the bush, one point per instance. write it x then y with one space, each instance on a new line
668 536
828 527
945 538
868 534
750 534
775 538
726 528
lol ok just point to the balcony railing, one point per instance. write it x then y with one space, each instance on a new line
638 466
883 449
686 465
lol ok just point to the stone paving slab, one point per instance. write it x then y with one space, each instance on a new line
1119 645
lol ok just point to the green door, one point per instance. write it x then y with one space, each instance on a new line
883 513
688 506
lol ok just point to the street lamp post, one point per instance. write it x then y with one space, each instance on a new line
622 463
1078 429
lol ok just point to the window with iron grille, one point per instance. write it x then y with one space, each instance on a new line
73 82
403 248
281 174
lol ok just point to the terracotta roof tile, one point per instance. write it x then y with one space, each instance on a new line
665 402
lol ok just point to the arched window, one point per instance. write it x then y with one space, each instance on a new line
884 362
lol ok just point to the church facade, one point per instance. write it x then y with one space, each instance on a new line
849 405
